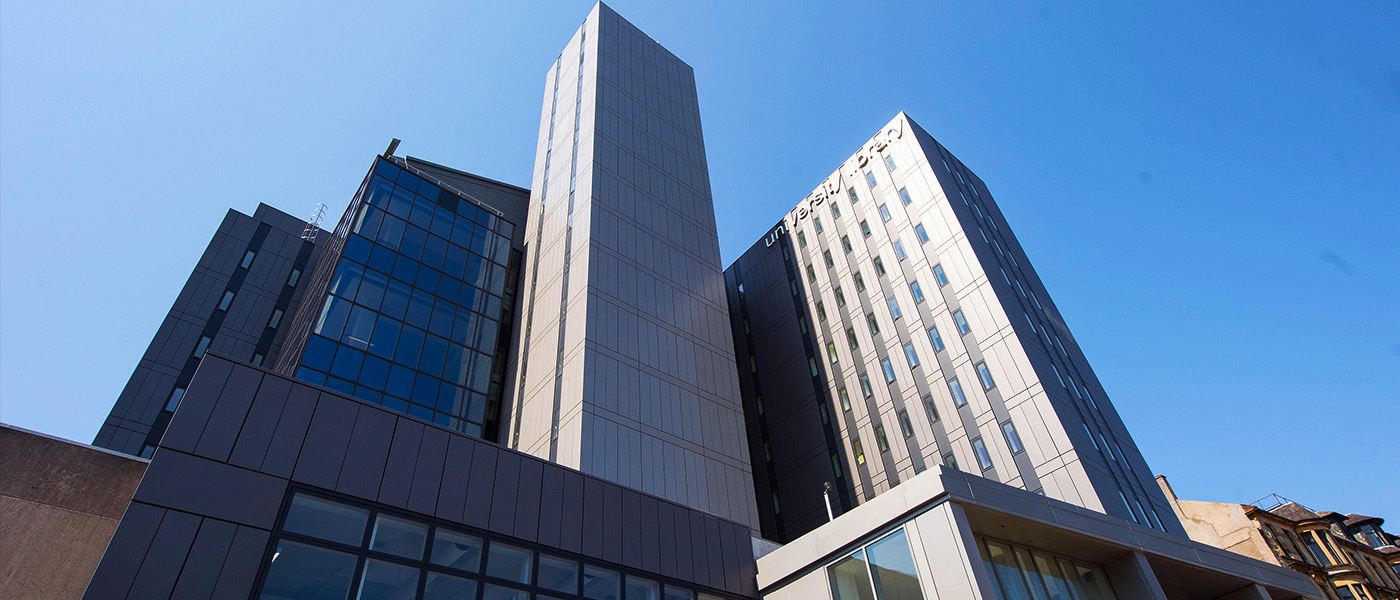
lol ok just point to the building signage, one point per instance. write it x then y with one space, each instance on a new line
836 182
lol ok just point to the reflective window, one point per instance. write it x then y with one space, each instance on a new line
276 319
456 550
930 409
845 400
939 275
500 592
858 450
865 388
835 209
642 589
985 375
851 338
326 520
294 277
840 298
226 300
831 352
203 345
889 162
1013 439
921 233
817 224
888 370
558 574
873 323
870 178
851 192
801 239
247 259
174 400
961 322
950 461
906 427
387 581
811 274
846 244
911 355
979 449
850 578
916 292
675 593
399 536
885 213
297 568
599 584
821 312
865 228
1018 572
880 440
826 257
904 197
441 586
894 307
955 388
935 339
892 568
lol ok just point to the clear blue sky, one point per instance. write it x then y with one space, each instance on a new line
1208 189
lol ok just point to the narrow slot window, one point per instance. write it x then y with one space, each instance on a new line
226 300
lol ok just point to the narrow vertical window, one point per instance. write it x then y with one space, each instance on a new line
826 418
865 388
870 179
247 259
226 300
888 370
753 365
921 233
801 239
879 266
851 338
935 339
831 352
961 322
836 465
758 403
916 292
257 359
835 210
939 275
895 313
792 283
276 319
776 508
202 346
955 388
1013 440
812 365
905 426
845 400
817 224
294 277
860 281
811 274
985 375
950 461
889 163
851 191
904 197
873 323
984 458
846 244
911 355
930 409
821 315
881 441
858 451
865 228
826 258
840 298
747 328
885 213
174 399
899 252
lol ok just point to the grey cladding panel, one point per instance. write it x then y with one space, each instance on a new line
287 440
631 512
226 419
452 467
159 571
188 423
551 506
479 496
261 424
572 501
125 552
399 471
206 559
503 498
198 485
527 512
241 565
325 444
369 449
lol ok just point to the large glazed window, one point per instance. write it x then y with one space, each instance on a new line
883 570
1017 573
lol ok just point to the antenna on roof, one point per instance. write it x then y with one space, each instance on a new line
313 223
393 145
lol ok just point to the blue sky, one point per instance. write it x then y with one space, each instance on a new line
1207 189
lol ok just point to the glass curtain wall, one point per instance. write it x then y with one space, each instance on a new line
1018 573
882 570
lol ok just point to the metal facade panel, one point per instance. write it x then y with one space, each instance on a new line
401 465
287 439
363 468
326 440
206 559
258 428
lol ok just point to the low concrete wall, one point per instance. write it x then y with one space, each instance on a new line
60 501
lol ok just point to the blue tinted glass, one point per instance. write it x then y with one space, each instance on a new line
385 338
391 232
311 376
449 288
408 180
428 189
367 394
374 373
400 382
413 240
447 396
347 363
367 224
420 309
422 214
486 218
462 228
467 210
421 412
319 352
358 328
495 279
442 222
410 346
502 253
475 410
434 251
956 389
456 261
331 321
379 191
427 279
505 228
387 170
486 330
347 279
396 299
425 391
400 203
491 307
892 564
453 370
300 567
406 268
469 296
372 289
480 375
434 352
340 385
479 239
443 314
382 259
358 248
464 327
394 404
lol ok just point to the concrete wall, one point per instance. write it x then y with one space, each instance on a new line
60 501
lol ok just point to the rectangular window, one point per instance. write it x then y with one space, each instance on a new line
247 259
905 426
879 267
911 355
916 292
955 388
174 400
801 239
865 386
921 233
851 338
904 197
831 351
821 314
870 179
835 210
811 274
226 300
858 451
826 418
1013 440
881 441
930 409
961 322
873 323
885 213
294 278
894 308
836 465
950 461
257 359
939 275
840 298
846 244
792 283
889 162
899 252
851 191
985 375
865 228
888 369
758 402
812 364
935 339
202 346
984 458
276 319
747 328
817 224
845 400
860 281
826 258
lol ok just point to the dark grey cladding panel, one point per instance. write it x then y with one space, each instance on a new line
171 545
528 500
551 511
129 546
399 469
201 486
261 423
241 564
226 420
503 494
206 559
571 532
363 468
701 552
592 527
665 535
323 450
287 439
612 523
479 486
189 420
631 529
647 521
452 468
685 550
